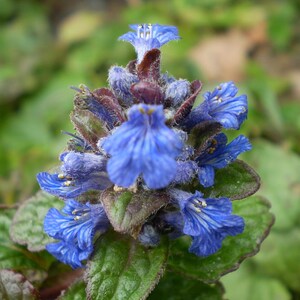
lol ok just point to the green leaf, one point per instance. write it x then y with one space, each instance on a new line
14 286
177 287
27 226
280 257
258 220
122 268
75 292
13 256
236 181
127 211
279 171
253 285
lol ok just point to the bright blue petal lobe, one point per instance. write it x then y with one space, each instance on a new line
147 37
68 253
222 106
207 221
145 146
206 175
75 227
64 187
218 155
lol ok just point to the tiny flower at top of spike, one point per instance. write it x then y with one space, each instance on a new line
147 36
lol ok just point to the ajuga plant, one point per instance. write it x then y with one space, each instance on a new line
145 187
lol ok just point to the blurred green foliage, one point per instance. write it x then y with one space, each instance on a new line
48 46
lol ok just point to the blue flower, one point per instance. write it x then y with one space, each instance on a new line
149 236
120 81
147 37
218 155
222 106
145 146
177 91
74 227
208 221
80 172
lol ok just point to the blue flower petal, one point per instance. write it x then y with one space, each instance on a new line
68 253
149 236
219 155
147 37
185 172
68 188
207 221
121 81
78 165
222 106
75 227
145 146
177 91
206 175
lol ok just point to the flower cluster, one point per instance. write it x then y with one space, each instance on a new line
143 133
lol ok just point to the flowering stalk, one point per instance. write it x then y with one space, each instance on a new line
139 139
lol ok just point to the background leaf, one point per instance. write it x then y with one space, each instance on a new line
279 171
177 287
13 256
258 220
15 286
28 223
122 268
248 284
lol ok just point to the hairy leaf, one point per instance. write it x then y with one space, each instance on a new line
13 256
121 268
149 68
258 219
27 225
177 287
14 286
88 125
75 292
236 181
127 211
